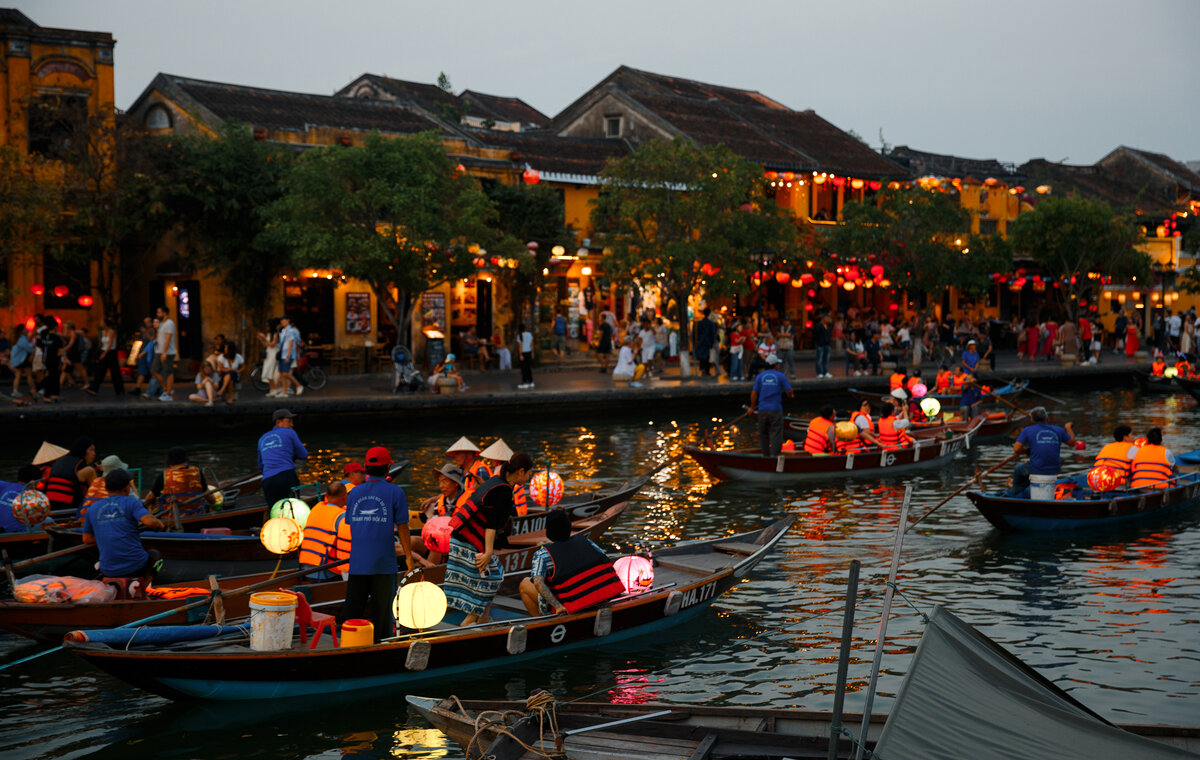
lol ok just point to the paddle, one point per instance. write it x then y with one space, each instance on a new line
52 555
1036 393
198 603
1015 408
964 487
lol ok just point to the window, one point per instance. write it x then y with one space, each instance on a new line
612 126
987 226
56 125
158 118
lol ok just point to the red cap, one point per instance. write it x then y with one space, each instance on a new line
354 467
377 455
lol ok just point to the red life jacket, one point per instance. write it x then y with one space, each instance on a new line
889 437
580 575
1184 368
944 380
817 440
1150 468
957 380
896 380
469 522
63 488
912 383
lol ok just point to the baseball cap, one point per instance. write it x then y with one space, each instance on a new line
377 455
283 414
353 467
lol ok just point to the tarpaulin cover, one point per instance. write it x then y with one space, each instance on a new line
964 697
159 634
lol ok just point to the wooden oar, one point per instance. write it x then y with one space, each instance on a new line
1031 390
52 555
198 603
962 488
1014 407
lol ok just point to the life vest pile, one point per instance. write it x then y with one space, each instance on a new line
62 589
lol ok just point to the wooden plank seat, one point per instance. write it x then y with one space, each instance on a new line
733 547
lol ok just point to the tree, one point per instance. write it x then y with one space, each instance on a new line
30 206
685 217
1070 237
526 213
920 238
393 213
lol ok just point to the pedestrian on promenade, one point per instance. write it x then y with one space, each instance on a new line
107 362
289 355
166 346
661 338
21 360
705 339
604 344
503 353
51 344
821 338
785 346
525 338
560 336
270 361
767 399
278 450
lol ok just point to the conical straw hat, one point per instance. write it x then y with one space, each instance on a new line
498 451
462 444
48 453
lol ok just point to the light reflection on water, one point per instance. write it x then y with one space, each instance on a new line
1112 618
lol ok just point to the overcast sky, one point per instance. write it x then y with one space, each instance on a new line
1011 80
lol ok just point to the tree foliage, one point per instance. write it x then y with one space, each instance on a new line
1070 237
524 214
393 213
30 206
669 208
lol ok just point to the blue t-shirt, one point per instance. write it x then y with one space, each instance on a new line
560 325
970 396
373 511
8 492
770 385
970 359
1042 440
114 523
278 450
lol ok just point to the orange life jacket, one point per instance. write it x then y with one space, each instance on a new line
897 380
890 438
181 482
1150 468
326 535
817 440
1184 368
957 380
1115 456
97 491
520 500
854 418
441 509
851 447
944 380
1158 367
476 474
912 383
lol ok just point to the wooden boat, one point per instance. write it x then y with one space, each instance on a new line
1190 385
948 400
994 426
1156 386
1089 510
578 507
49 622
688 579
930 448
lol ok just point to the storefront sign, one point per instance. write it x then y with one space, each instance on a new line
433 311
358 313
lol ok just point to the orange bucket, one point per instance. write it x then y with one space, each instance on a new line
357 632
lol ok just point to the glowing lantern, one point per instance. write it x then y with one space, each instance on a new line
636 573
546 488
782 278
877 271
807 279
875 184
797 283
931 406
857 184
1043 189
991 182
818 180
807 323
808 307
1104 479
771 175
37 289
885 283
848 286
419 605
60 291
812 293
281 535
31 507
756 279
460 169
893 307
838 181
86 301
845 431
436 534
531 176
919 390
825 283
1140 442
1170 372
30 325
1020 282
293 508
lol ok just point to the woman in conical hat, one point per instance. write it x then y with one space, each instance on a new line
466 455
497 454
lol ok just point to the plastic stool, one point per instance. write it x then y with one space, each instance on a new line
319 621
122 586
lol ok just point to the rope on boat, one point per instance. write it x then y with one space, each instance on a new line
540 703
896 588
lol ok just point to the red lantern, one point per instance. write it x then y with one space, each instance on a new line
877 271
756 279
86 301
789 176
838 181
875 184
495 260
30 325
771 175
61 291
807 278
783 278
436 534
460 169
852 273
812 293
1020 282
894 307
808 323
38 289
1102 479
531 176
808 307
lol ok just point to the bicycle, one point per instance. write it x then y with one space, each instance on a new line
309 375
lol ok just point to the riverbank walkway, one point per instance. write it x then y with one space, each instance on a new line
574 385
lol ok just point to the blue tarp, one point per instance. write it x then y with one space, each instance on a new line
160 634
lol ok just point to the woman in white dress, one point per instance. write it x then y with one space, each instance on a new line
1186 339
270 364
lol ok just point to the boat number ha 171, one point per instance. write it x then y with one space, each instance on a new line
699 594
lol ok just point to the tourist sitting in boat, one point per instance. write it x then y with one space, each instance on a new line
897 379
113 526
496 455
1183 368
913 381
1042 441
1158 366
569 574
97 490
971 398
893 426
766 398
355 475
957 379
943 380
451 496
821 438
327 534
1118 455
473 573
866 426
466 455
1154 465
181 483
71 475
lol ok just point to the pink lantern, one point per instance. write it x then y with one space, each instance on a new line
436 534
546 488
919 390
636 573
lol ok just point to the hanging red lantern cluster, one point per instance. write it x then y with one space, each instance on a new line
838 181
806 279
875 184
877 271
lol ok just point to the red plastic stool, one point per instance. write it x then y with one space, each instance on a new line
122 586
319 621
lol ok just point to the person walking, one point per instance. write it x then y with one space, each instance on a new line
785 346
51 345
107 361
605 344
278 450
166 346
270 359
21 360
821 339
289 355
525 339
767 400
706 338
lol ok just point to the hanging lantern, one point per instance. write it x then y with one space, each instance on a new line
893 307
848 286
857 184
807 278
281 535
636 573
60 291
838 181
546 488
991 182
531 176
796 283
818 180
875 184
460 169
919 390
86 301
296 509
37 289
1043 189
931 406
436 534
808 307
825 283
31 507
30 325
419 606
756 279
783 278
877 271
812 293
771 175
808 323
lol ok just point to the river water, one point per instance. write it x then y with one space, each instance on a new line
1113 618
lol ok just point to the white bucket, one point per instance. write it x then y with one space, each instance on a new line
1041 487
272 618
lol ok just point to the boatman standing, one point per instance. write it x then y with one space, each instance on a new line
1041 440
767 399
377 511
278 451
112 525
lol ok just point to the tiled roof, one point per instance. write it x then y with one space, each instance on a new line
636 79
921 163
275 109
435 100
833 149
500 108
1168 166
549 153
14 18
1093 182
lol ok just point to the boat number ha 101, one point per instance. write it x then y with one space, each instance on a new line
699 594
